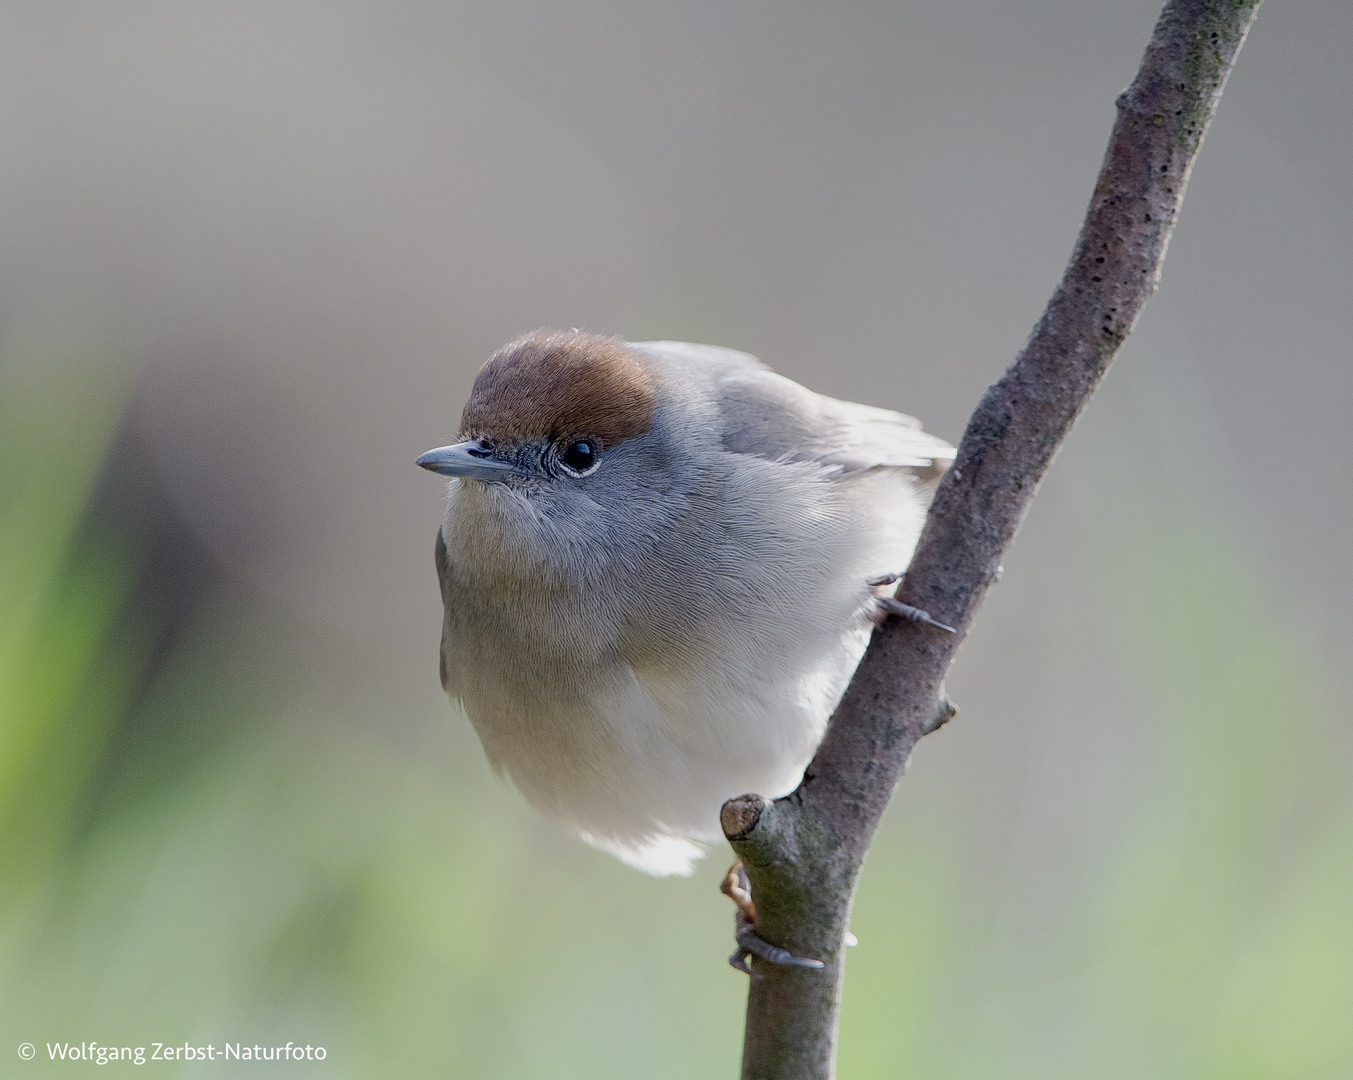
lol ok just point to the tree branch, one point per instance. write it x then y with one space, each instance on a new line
803 852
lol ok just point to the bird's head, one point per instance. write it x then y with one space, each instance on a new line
548 408
560 448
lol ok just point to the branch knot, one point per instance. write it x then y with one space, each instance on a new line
741 815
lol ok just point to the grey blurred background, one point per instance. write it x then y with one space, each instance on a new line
252 254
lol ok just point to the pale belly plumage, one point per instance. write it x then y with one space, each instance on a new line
633 739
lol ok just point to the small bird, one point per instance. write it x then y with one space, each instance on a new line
660 563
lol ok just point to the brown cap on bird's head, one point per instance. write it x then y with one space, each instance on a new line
555 383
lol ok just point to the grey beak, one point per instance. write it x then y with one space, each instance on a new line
471 459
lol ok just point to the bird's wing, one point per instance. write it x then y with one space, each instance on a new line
443 580
769 416
713 360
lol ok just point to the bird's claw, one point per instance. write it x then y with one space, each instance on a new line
750 943
738 888
893 606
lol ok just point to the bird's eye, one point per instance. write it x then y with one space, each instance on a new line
579 456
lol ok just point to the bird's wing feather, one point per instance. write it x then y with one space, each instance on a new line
769 416
443 579
711 359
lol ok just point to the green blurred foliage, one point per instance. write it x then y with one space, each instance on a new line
62 680
305 874
1226 923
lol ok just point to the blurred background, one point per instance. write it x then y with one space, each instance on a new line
251 255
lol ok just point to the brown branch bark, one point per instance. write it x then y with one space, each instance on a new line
803 852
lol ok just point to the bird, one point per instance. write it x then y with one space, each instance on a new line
660 563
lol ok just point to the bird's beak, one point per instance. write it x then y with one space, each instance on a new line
471 459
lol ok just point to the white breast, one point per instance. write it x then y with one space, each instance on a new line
630 708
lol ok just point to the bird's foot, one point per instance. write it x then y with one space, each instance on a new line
738 888
891 605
